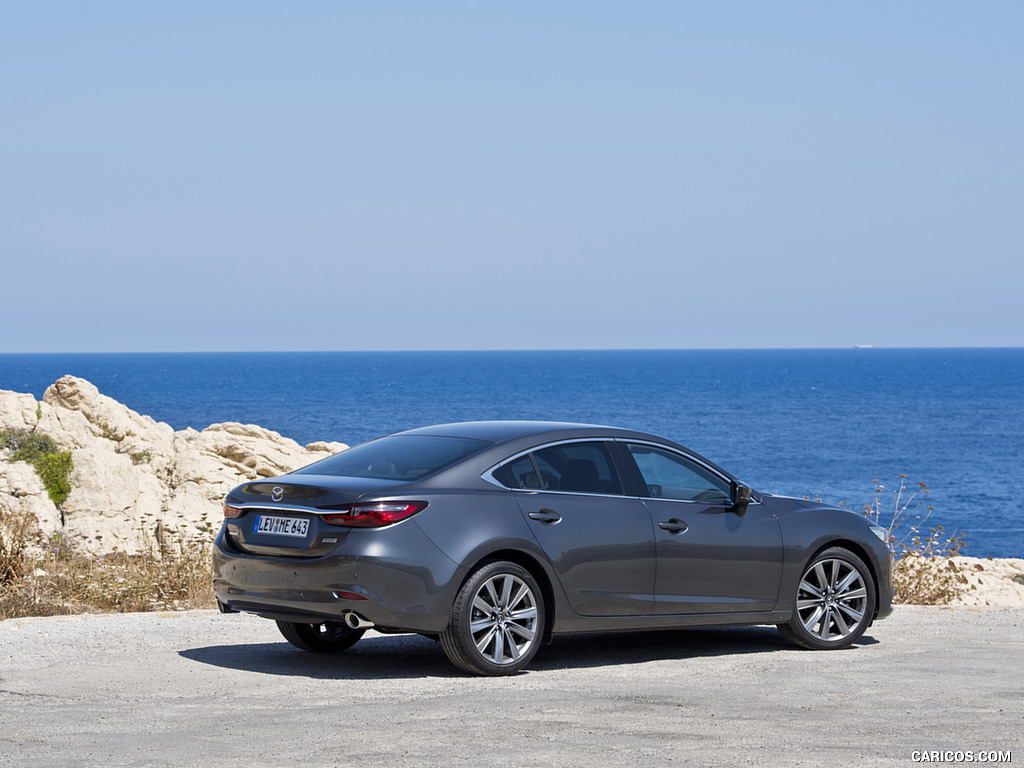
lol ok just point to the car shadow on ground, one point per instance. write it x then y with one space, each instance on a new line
382 657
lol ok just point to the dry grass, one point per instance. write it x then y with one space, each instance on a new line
934 580
52 577
15 535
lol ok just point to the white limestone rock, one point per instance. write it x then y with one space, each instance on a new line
23 493
85 415
325 448
134 476
112 501
18 411
258 451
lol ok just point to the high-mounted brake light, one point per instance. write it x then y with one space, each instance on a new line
376 514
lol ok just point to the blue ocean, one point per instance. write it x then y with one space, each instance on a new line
824 423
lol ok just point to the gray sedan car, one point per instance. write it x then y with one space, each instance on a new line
495 536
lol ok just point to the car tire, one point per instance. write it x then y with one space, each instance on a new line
497 621
835 602
329 637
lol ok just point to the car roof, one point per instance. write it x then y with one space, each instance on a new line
504 431
509 437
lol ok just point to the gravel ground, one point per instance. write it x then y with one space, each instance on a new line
201 689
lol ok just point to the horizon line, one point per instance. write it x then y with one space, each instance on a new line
867 348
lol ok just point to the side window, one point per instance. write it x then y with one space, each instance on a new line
578 468
671 476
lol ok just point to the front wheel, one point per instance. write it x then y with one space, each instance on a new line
835 602
329 637
497 621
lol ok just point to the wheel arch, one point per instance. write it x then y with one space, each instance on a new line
531 564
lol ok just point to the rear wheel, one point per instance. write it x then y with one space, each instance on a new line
835 602
497 621
329 637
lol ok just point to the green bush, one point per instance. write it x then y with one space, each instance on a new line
51 464
54 469
26 445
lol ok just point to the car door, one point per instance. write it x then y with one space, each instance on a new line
710 559
599 541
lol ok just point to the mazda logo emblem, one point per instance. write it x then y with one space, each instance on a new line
277 493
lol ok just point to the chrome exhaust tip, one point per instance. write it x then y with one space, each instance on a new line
355 621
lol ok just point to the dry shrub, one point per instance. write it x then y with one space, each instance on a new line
173 573
16 529
924 572
920 580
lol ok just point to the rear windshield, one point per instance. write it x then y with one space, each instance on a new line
400 457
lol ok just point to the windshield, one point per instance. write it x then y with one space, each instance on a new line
399 457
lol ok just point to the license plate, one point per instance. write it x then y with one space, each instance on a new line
281 526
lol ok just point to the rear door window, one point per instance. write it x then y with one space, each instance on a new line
578 468
585 467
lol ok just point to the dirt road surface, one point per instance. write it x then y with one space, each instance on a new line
201 689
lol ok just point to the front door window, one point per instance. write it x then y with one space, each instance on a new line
671 476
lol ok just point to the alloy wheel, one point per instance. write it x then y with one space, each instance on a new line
832 600
504 619
497 621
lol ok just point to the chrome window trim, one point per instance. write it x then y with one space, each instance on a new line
574 493
488 476
723 504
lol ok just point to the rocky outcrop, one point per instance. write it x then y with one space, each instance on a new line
134 478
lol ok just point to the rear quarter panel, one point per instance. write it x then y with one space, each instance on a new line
475 525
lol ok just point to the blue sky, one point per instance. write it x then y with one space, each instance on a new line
354 175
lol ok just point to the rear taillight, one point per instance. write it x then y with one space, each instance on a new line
231 511
376 514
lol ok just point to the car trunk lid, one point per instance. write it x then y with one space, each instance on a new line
283 517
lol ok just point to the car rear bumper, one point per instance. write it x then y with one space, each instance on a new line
395 594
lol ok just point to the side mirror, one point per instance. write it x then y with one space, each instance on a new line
740 498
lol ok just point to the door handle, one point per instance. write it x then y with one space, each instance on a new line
675 525
546 516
